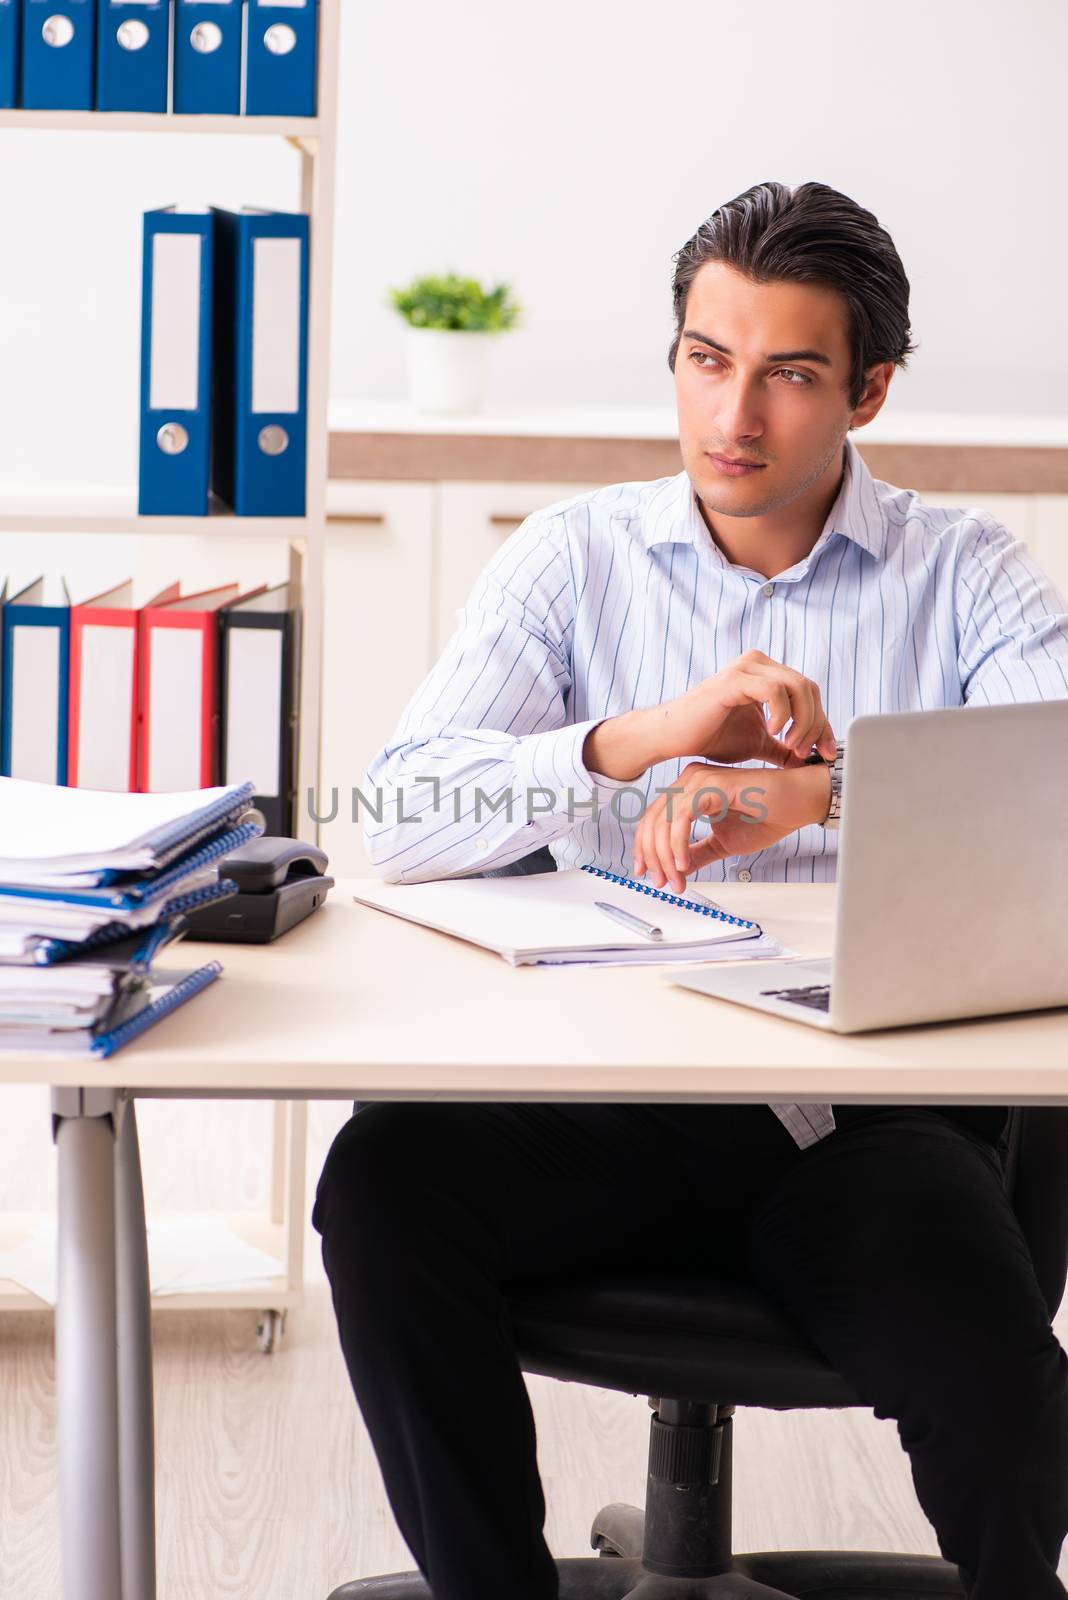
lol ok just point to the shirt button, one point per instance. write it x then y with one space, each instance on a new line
768 589
744 875
481 844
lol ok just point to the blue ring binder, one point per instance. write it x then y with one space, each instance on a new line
671 899
105 1044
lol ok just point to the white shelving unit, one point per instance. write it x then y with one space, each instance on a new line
166 122
96 511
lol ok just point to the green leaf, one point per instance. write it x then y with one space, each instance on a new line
446 300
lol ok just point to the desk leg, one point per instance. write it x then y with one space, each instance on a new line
87 1401
137 1467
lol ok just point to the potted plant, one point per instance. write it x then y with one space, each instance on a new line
451 321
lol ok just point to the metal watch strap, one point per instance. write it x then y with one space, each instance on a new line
837 770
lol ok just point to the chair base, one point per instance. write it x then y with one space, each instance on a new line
765 1575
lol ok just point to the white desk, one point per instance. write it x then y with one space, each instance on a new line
358 1004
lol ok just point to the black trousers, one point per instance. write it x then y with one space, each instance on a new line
891 1243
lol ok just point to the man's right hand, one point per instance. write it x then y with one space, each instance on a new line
720 719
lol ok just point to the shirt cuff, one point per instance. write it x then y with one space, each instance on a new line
552 778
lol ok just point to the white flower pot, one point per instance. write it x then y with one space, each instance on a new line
447 368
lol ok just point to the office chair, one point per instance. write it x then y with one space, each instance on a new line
702 1349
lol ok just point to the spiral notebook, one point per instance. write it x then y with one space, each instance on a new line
550 919
144 941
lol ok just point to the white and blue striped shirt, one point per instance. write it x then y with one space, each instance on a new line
621 598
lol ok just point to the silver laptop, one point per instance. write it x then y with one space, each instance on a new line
952 877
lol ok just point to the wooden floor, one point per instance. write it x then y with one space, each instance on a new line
267 1488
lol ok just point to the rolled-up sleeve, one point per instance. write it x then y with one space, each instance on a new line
1012 627
484 766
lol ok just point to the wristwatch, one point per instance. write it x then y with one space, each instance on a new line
833 818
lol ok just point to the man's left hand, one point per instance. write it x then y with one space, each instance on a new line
744 736
749 809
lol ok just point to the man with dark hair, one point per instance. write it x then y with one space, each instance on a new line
739 613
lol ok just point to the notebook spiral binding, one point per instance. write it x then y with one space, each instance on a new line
50 951
105 1044
134 896
222 846
671 899
175 840
224 889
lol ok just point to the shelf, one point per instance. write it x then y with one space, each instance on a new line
104 509
159 122
253 1229
609 421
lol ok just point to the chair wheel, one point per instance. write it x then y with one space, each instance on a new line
604 1547
618 1531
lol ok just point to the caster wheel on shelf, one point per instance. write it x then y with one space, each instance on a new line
269 1330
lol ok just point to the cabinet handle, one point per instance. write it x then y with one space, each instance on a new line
371 517
501 520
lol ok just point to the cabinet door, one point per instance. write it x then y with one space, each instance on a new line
376 643
1050 538
472 522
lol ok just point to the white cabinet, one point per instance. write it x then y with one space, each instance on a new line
377 626
1049 537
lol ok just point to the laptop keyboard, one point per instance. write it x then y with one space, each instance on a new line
816 995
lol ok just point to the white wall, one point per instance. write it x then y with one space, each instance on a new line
571 147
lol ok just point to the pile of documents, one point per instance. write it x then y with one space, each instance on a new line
92 886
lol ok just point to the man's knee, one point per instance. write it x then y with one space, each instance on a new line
1003 1402
372 1164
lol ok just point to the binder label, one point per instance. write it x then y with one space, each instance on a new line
276 324
34 703
174 372
105 709
175 680
254 707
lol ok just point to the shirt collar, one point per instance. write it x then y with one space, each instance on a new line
672 517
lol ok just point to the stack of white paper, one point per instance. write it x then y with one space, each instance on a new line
57 997
92 885
52 836
551 919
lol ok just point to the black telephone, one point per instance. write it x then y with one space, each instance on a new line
279 882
